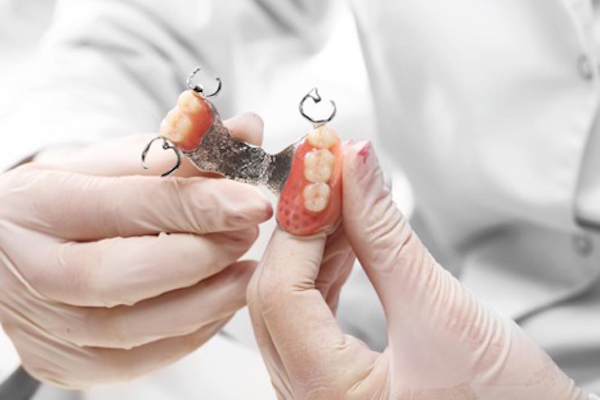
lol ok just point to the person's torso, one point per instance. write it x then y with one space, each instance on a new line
490 108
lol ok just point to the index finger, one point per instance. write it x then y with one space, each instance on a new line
81 207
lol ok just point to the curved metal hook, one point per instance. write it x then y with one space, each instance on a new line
314 96
200 88
167 144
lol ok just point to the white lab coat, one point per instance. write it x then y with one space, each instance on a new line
489 109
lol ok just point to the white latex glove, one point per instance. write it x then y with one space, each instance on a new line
443 344
106 274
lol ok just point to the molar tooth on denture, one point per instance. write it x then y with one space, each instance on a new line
187 123
318 165
176 125
316 196
321 137
189 102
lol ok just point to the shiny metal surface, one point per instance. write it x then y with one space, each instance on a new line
221 153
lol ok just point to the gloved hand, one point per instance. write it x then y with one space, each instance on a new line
443 344
106 274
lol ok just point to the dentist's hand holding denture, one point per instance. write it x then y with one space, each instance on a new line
443 344
107 274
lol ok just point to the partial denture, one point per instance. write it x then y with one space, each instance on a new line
311 199
187 123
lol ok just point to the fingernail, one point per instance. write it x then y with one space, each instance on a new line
268 211
365 157
266 205
364 169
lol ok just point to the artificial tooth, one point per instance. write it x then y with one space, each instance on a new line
316 196
176 125
321 137
189 102
318 165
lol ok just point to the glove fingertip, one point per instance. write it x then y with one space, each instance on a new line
362 174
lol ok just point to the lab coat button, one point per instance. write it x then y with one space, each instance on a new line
586 71
583 244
